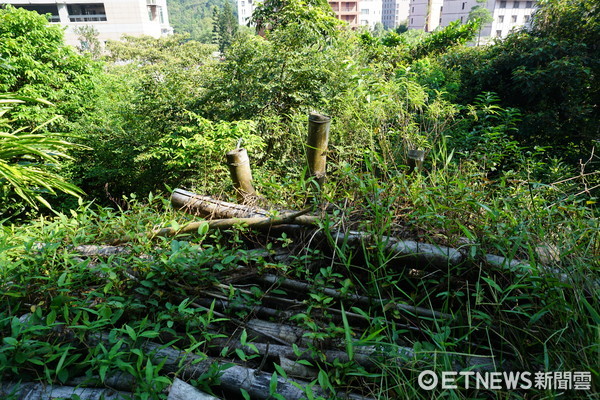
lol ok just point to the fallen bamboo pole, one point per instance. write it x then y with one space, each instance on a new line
117 380
424 254
233 377
304 287
40 391
259 222
209 207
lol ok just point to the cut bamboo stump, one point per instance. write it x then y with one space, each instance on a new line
415 160
316 147
241 175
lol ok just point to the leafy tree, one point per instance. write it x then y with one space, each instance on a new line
29 159
145 97
481 14
37 63
194 17
550 72
225 26
305 20
88 39
379 29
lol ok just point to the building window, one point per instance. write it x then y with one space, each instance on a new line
463 5
499 33
413 10
513 19
503 4
500 18
152 13
516 4
462 20
86 12
364 11
526 18
161 15
529 4
43 9
411 21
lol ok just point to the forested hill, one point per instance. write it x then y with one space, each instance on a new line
194 17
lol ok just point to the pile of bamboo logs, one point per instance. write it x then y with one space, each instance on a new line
276 342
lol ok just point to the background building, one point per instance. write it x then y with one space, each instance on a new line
111 18
394 12
507 15
346 11
245 9
355 13
370 12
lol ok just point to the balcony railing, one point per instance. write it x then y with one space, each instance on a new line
87 18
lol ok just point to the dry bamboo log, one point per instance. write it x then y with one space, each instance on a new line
241 175
369 357
39 391
366 357
304 287
183 391
93 250
264 312
420 253
297 370
316 147
115 380
251 222
289 334
208 207
505 263
234 378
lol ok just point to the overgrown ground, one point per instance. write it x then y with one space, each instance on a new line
198 293
509 133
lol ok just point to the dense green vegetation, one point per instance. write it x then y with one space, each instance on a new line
196 17
509 134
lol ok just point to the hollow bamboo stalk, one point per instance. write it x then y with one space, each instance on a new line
241 174
415 160
316 147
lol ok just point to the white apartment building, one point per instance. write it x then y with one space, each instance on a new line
394 12
370 12
245 10
425 14
507 15
111 18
